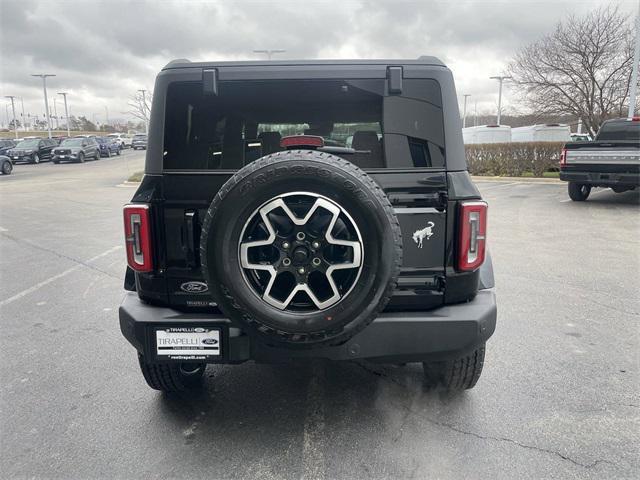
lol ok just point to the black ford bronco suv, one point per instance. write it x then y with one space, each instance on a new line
307 209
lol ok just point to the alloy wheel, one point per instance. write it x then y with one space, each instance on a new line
301 252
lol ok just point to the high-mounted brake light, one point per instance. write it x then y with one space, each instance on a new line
137 234
472 228
309 141
563 157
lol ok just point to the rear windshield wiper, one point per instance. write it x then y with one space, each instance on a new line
341 150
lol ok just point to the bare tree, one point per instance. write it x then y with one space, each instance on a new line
140 105
583 68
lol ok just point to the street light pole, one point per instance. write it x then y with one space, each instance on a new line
55 112
464 110
144 110
500 78
66 111
13 109
634 74
46 101
24 123
475 114
269 53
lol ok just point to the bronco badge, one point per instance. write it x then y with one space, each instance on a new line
420 235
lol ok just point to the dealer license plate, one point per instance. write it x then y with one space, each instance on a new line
188 343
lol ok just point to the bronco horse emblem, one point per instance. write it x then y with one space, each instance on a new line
420 235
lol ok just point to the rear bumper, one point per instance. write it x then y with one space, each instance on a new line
604 179
393 337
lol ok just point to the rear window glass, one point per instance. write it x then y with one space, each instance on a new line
620 131
249 119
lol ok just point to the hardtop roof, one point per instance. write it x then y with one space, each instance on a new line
184 63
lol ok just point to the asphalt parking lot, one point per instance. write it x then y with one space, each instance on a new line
559 397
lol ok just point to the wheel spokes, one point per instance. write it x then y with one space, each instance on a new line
315 265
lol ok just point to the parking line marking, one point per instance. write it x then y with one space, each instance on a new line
49 280
313 461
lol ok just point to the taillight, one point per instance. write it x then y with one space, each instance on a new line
563 157
472 238
137 234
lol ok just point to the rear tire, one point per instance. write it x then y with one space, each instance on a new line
457 374
7 167
578 192
172 377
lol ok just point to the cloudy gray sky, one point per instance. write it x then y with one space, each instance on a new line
102 52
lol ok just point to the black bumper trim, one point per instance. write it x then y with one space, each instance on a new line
394 337
601 178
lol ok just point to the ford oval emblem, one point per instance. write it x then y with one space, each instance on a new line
194 287
209 341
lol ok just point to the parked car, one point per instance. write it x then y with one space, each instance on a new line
611 160
108 146
6 145
6 165
123 138
76 150
580 137
301 248
139 140
32 150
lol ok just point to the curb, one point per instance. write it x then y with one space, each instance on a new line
477 178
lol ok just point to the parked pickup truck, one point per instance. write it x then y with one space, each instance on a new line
611 160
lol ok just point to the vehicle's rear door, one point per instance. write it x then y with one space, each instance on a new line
410 169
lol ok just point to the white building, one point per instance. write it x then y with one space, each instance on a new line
487 134
550 132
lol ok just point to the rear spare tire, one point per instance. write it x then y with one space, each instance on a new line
301 248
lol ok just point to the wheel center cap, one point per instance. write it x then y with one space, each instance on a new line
300 255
